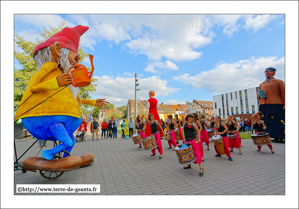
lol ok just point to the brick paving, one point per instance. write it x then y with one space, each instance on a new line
123 169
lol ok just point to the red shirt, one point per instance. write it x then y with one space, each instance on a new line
104 125
249 123
153 103
85 127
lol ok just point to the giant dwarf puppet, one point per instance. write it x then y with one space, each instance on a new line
50 106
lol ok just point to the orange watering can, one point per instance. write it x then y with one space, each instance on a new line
81 77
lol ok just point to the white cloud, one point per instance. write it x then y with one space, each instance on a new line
227 77
29 35
151 67
41 20
119 89
174 102
174 37
257 22
229 22
129 74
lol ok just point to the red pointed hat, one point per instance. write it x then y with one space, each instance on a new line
68 38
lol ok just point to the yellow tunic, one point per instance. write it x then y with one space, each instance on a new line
44 84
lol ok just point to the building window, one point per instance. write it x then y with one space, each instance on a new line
237 112
232 110
215 105
253 109
236 95
219 112
231 95
222 97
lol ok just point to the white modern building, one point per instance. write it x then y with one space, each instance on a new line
235 103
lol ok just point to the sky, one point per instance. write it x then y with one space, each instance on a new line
180 57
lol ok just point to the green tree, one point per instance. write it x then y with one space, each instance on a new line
125 114
116 114
95 110
122 108
29 67
108 106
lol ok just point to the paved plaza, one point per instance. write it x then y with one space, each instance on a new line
123 169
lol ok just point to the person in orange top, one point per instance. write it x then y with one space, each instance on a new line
272 104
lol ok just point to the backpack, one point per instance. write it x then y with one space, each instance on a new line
94 125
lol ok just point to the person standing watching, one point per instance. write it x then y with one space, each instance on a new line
123 127
104 127
94 128
242 125
131 127
114 128
110 125
272 104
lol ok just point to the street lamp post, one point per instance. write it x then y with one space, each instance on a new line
136 84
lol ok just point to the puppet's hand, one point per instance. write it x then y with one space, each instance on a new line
64 79
101 102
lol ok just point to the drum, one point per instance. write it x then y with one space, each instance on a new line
149 142
167 136
261 139
177 134
186 155
176 131
231 136
218 141
136 138
210 132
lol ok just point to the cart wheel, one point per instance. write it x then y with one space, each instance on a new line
24 171
53 174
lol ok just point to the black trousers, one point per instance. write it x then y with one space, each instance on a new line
130 132
242 128
109 134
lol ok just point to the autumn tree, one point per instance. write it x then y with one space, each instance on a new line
29 67
116 114
95 110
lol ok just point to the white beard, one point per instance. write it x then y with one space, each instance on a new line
74 90
65 64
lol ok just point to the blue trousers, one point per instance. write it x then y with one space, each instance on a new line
114 133
58 127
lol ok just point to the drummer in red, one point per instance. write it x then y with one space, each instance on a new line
222 131
140 126
198 123
204 137
172 125
260 127
179 123
233 128
154 124
192 134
